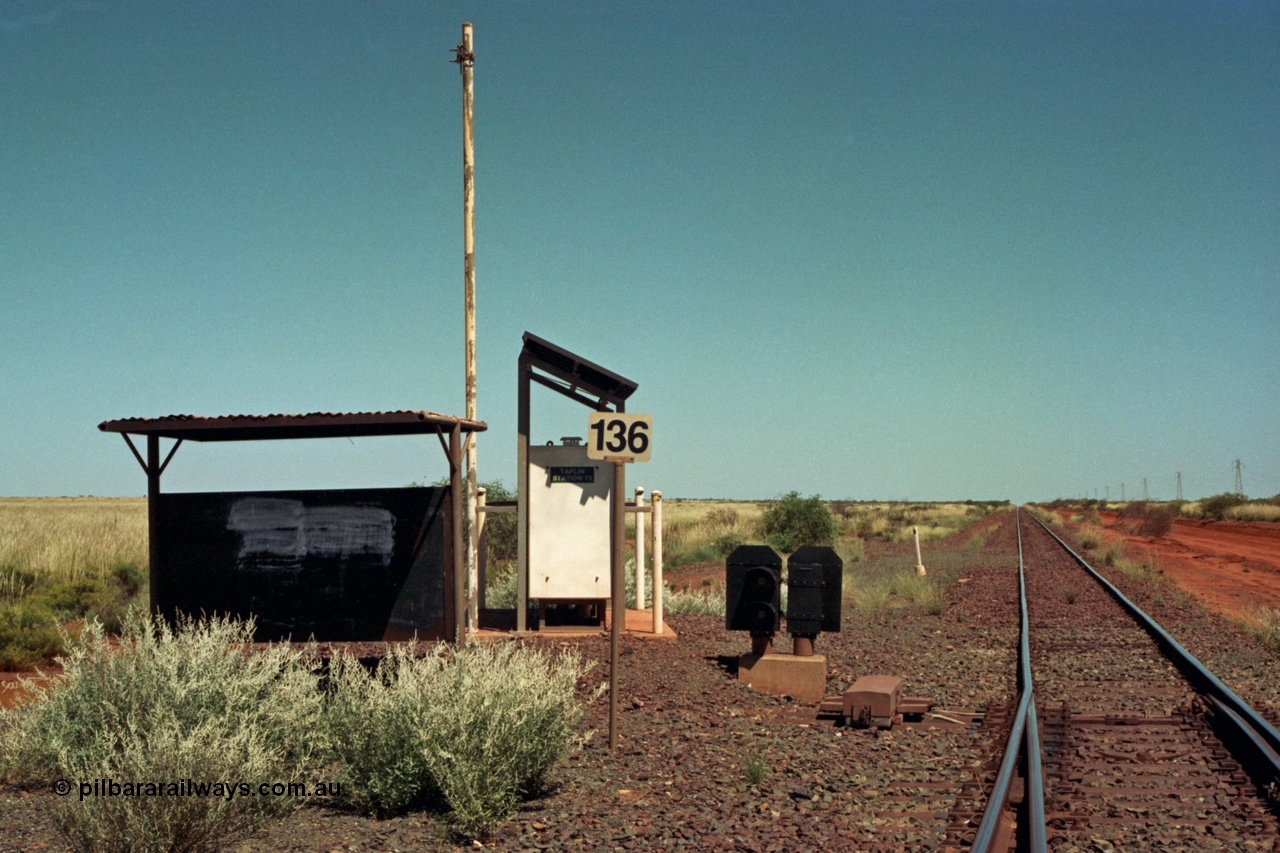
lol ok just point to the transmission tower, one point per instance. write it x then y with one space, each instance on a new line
1122 493
1144 488
1178 481
1239 481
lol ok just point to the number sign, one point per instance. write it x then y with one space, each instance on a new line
613 437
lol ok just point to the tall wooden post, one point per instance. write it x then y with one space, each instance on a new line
466 61
455 508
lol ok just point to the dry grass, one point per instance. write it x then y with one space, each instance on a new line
1264 624
1266 510
703 531
1089 537
69 539
1255 512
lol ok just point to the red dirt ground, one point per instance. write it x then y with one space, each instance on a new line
1231 566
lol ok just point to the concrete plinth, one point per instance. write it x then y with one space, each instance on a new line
803 678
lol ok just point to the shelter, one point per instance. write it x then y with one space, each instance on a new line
353 564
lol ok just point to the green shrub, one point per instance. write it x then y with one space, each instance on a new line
1216 507
191 703
727 544
500 531
795 521
129 578
501 717
479 726
32 607
375 724
28 635
500 586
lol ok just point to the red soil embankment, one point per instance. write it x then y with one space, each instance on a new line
1232 566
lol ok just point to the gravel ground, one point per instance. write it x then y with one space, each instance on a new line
687 729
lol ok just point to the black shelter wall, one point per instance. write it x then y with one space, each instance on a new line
339 565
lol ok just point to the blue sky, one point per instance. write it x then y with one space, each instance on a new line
871 250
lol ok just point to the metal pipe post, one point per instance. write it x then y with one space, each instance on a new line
153 519
618 583
639 547
482 496
522 496
657 562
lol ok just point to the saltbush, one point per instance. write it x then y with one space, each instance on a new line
375 724
794 521
502 716
478 726
705 602
168 705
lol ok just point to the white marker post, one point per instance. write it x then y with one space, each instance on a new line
915 531
656 503
618 438
639 547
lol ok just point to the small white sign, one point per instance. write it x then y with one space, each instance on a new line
615 436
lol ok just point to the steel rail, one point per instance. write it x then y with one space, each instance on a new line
1023 737
1248 723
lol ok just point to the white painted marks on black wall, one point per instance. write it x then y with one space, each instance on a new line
279 534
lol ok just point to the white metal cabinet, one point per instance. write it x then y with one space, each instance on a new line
569 524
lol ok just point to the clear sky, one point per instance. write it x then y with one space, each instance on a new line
870 250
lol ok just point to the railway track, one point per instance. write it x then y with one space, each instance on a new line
1120 739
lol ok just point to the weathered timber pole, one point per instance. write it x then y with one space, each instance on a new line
465 57
456 444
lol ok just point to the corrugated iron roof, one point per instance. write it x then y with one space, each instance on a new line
313 425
